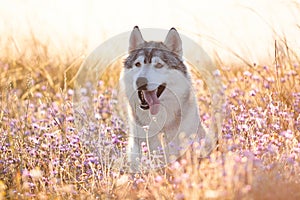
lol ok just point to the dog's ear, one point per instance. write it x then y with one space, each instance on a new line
136 38
173 42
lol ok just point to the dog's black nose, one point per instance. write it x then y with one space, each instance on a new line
141 83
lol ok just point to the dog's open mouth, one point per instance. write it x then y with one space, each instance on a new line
150 99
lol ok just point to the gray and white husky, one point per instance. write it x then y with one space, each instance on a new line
163 113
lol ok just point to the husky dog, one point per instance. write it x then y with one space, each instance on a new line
163 113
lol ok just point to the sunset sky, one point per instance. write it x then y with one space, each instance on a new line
246 27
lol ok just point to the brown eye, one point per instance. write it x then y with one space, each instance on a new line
138 64
159 65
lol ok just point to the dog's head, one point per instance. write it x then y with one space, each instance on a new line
151 63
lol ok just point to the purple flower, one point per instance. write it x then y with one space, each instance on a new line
247 73
70 119
97 116
287 134
179 196
38 95
252 92
70 92
144 149
143 144
216 73
115 140
158 179
228 136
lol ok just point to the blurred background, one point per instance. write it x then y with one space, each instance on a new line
224 28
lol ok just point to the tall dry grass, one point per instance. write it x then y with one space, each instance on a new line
44 155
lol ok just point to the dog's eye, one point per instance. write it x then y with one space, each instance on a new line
138 64
159 65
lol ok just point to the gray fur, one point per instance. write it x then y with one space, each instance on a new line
156 49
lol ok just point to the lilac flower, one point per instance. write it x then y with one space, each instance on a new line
143 144
176 165
92 159
247 73
97 116
296 150
38 95
145 149
115 140
139 180
70 129
83 91
228 136
158 179
70 92
252 92
272 148
44 88
287 134
256 78
216 73
100 83
276 126
266 84
25 173
70 119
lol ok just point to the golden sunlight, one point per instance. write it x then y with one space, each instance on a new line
247 28
78 123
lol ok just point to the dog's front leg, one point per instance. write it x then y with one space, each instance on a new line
134 148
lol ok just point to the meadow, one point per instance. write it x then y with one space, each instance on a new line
44 155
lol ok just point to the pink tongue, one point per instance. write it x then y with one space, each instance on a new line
152 100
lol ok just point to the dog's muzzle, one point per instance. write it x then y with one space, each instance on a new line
144 104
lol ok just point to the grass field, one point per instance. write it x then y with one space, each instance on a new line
45 156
